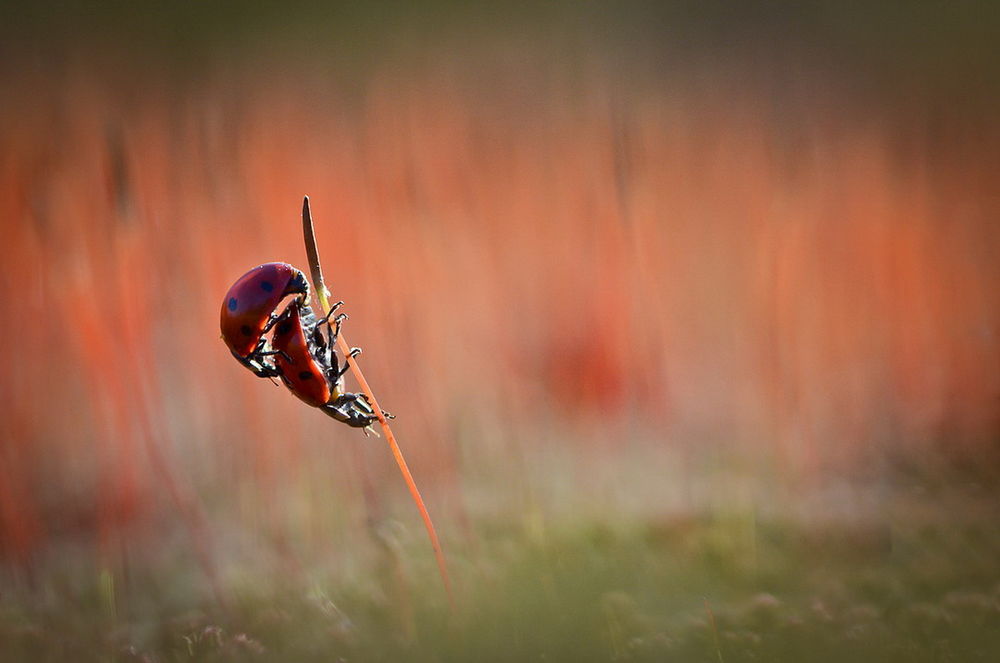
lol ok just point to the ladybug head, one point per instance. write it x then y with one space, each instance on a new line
298 284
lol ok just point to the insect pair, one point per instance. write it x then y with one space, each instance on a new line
298 352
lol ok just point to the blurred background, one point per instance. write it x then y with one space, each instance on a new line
689 269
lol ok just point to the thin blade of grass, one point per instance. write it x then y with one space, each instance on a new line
322 294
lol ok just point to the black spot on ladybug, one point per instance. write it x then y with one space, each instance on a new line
284 328
305 375
246 331
232 304
266 286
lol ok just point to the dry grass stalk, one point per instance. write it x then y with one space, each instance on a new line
322 294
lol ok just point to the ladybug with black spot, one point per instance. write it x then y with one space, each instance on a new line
248 312
307 364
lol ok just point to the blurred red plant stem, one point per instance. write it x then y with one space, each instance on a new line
316 270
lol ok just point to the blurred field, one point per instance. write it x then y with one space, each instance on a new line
659 327
721 586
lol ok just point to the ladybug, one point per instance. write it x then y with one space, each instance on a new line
248 312
307 363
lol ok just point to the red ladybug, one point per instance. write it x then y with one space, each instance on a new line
307 363
248 312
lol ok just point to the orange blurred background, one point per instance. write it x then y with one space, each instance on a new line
766 260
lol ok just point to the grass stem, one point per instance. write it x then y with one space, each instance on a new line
322 294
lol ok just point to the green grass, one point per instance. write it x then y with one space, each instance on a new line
921 582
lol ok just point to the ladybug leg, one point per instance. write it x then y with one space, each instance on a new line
333 372
284 354
259 353
275 318
316 336
354 353
271 321
351 409
261 369
335 327
333 309
333 332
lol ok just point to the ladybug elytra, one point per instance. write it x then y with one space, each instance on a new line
248 311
